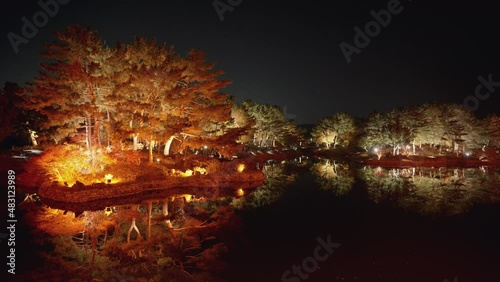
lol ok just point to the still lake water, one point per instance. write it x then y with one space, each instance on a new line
392 225
325 220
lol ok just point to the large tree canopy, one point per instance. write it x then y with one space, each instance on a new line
271 126
142 90
334 130
68 89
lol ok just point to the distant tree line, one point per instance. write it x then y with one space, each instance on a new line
408 129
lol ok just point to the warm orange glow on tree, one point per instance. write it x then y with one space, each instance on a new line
67 164
70 90
142 90
56 222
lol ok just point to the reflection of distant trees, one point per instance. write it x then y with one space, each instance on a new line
278 177
439 191
330 175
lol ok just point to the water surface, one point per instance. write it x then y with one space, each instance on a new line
411 224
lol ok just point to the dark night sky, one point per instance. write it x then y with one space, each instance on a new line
287 52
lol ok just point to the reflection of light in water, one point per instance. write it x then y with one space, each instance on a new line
241 167
187 197
189 172
439 191
240 192
107 211
201 170
333 176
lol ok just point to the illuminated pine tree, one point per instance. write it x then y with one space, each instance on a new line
146 81
70 89
337 129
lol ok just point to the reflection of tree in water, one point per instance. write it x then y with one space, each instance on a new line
442 191
333 176
278 177
179 238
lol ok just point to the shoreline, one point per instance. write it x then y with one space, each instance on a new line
98 196
403 161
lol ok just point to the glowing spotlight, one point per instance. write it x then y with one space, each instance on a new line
241 167
187 173
108 177
201 170
240 192
108 211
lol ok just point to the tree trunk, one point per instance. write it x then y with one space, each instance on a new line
91 136
151 145
169 224
166 151
105 236
108 133
97 130
335 142
133 227
33 137
265 138
136 141
150 207
165 207
87 139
